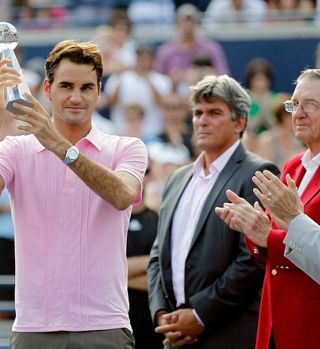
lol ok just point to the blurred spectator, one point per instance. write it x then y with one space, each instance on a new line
118 50
141 234
6 10
7 265
134 116
42 14
175 57
140 85
35 74
292 9
201 4
177 122
133 120
92 13
123 45
103 124
165 158
201 66
259 77
278 144
151 11
246 11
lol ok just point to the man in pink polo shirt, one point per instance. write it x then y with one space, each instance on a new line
71 189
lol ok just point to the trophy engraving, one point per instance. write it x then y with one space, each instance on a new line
8 42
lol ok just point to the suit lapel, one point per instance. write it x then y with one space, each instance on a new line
312 188
224 176
169 207
298 175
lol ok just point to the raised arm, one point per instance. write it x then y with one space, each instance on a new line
9 77
117 188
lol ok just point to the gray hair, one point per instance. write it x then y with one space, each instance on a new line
313 74
225 88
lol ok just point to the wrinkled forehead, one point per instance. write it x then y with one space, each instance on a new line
307 89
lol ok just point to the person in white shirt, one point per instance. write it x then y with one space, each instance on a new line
140 85
225 11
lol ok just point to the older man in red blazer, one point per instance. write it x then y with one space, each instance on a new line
290 306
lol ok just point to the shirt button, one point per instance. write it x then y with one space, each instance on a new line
274 272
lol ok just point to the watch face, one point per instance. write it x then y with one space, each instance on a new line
72 154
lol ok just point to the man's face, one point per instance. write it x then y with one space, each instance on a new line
74 93
306 125
214 129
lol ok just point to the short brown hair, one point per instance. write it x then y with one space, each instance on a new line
76 52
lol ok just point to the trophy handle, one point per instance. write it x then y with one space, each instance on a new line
15 94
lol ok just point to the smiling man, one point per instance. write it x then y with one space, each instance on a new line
72 188
203 283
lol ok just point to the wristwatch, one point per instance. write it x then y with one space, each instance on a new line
71 156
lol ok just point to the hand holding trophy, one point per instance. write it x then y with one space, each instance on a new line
8 41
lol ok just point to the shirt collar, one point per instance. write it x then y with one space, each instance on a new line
308 162
217 165
94 137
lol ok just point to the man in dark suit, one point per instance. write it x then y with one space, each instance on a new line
203 283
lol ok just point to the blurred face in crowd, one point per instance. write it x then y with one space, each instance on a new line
306 117
144 61
176 108
214 129
238 4
187 26
260 83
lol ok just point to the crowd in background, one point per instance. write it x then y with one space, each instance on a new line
145 90
57 13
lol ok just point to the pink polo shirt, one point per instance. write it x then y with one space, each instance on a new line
71 268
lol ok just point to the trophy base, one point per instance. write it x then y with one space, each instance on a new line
14 110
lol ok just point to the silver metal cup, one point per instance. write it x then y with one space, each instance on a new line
8 42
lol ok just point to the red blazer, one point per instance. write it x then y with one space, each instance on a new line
290 303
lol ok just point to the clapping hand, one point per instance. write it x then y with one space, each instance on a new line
283 202
250 220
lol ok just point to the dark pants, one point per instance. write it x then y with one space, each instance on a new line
106 339
6 267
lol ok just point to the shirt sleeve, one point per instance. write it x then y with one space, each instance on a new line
132 157
303 245
7 153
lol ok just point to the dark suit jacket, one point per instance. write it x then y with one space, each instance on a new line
222 279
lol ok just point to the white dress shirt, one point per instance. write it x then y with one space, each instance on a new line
311 165
187 215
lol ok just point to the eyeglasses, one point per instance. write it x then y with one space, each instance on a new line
307 107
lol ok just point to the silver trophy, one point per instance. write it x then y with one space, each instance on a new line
8 42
